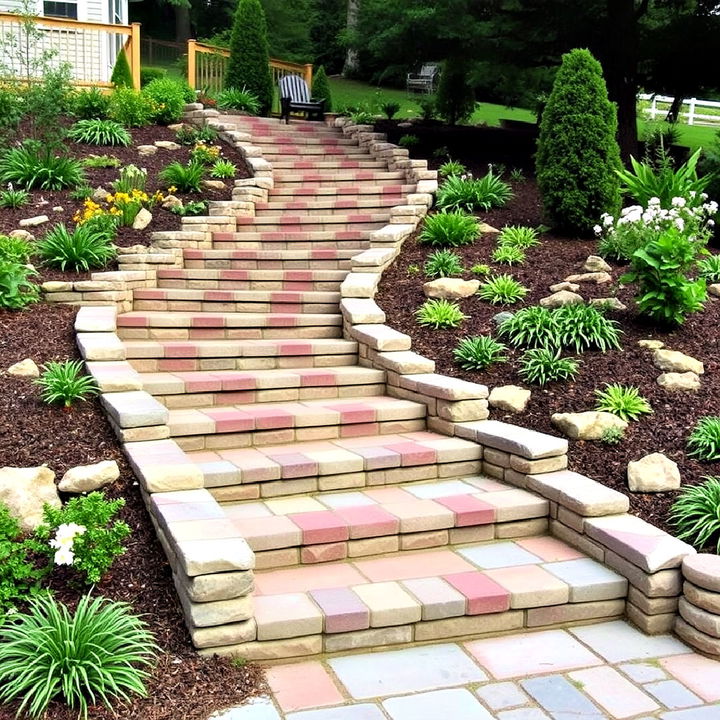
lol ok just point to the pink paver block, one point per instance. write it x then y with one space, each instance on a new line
615 693
468 510
133 321
303 685
306 578
234 274
254 466
549 549
295 465
354 412
175 365
700 674
316 378
237 381
369 521
324 526
268 418
377 458
483 595
427 564
281 320
178 349
228 419
413 454
343 610
295 348
200 382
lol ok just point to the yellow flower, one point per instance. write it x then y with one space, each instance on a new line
172 189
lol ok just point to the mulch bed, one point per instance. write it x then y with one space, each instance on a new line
665 431
183 685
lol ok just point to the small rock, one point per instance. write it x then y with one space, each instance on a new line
611 303
599 278
58 209
651 344
176 126
145 150
99 194
714 289
487 229
586 425
405 124
142 219
213 184
595 263
501 317
570 287
25 491
24 368
167 145
34 221
85 478
450 288
560 298
511 398
171 202
679 381
674 361
24 234
653 473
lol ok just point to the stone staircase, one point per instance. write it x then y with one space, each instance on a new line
307 490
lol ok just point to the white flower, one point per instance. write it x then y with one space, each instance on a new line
679 223
597 230
607 220
692 193
678 202
64 556
654 201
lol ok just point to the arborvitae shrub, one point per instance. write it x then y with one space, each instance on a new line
121 74
455 100
249 58
321 88
578 152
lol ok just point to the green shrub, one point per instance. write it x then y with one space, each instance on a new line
95 654
443 263
625 401
612 435
518 236
478 353
190 134
704 440
33 167
440 314
532 327
193 207
517 175
83 249
131 178
148 74
248 66
121 75
90 104
99 132
480 269
223 169
584 327
390 109
64 382
130 108
238 99
13 106
577 151
696 514
408 141
362 117
451 168
47 100
321 88
15 249
450 229
455 100
12 198
428 108
508 255
709 268
186 178
167 98
665 293
17 290
539 366
473 194
101 161
501 290
85 534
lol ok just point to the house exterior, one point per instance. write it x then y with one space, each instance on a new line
70 33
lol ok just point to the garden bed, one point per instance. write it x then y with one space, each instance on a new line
183 685
666 430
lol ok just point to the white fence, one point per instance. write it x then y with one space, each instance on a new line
660 104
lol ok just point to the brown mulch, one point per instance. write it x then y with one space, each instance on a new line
665 431
183 685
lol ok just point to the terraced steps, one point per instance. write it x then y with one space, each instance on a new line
239 279
265 258
294 239
316 190
295 221
339 178
347 162
322 204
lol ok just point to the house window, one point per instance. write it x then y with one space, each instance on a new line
61 9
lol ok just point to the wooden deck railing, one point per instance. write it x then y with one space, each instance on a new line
89 48
207 66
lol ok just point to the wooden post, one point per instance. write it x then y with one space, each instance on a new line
191 63
135 55
691 111
308 74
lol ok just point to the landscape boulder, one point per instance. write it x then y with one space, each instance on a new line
651 344
595 263
142 219
86 478
99 194
674 361
511 398
611 303
25 368
171 202
588 425
146 150
34 221
501 317
653 473
557 287
167 145
450 288
24 234
714 289
560 298
25 491
599 278
687 381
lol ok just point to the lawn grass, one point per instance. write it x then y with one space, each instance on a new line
355 93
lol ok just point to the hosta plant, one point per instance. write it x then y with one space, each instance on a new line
65 383
32 167
17 289
531 327
625 401
478 353
97 653
468 193
12 198
508 255
704 440
99 132
440 313
84 248
451 168
443 263
584 327
518 236
502 290
696 514
186 178
709 268
540 366
450 229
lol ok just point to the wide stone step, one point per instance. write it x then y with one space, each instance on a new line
335 464
264 258
321 205
310 223
340 163
360 190
329 139
231 387
271 151
327 179
239 301
258 424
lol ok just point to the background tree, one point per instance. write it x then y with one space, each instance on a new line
121 74
577 151
321 88
455 97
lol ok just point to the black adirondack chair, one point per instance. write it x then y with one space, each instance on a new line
295 97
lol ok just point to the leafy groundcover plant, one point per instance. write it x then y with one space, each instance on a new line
695 514
99 132
704 440
625 401
450 229
440 314
84 248
518 236
467 193
64 382
186 178
478 353
508 255
31 167
540 366
443 263
501 290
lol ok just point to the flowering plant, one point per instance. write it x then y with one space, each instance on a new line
63 542
206 154
122 205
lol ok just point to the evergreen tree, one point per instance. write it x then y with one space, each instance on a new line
455 97
577 149
249 59
321 88
121 74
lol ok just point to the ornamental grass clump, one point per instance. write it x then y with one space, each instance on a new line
531 327
33 167
81 249
704 440
584 327
450 229
468 193
540 366
443 263
518 236
451 168
99 132
624 401
508 255
439 314
97 653
696 514
501 289
65 383
185 178
478 353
